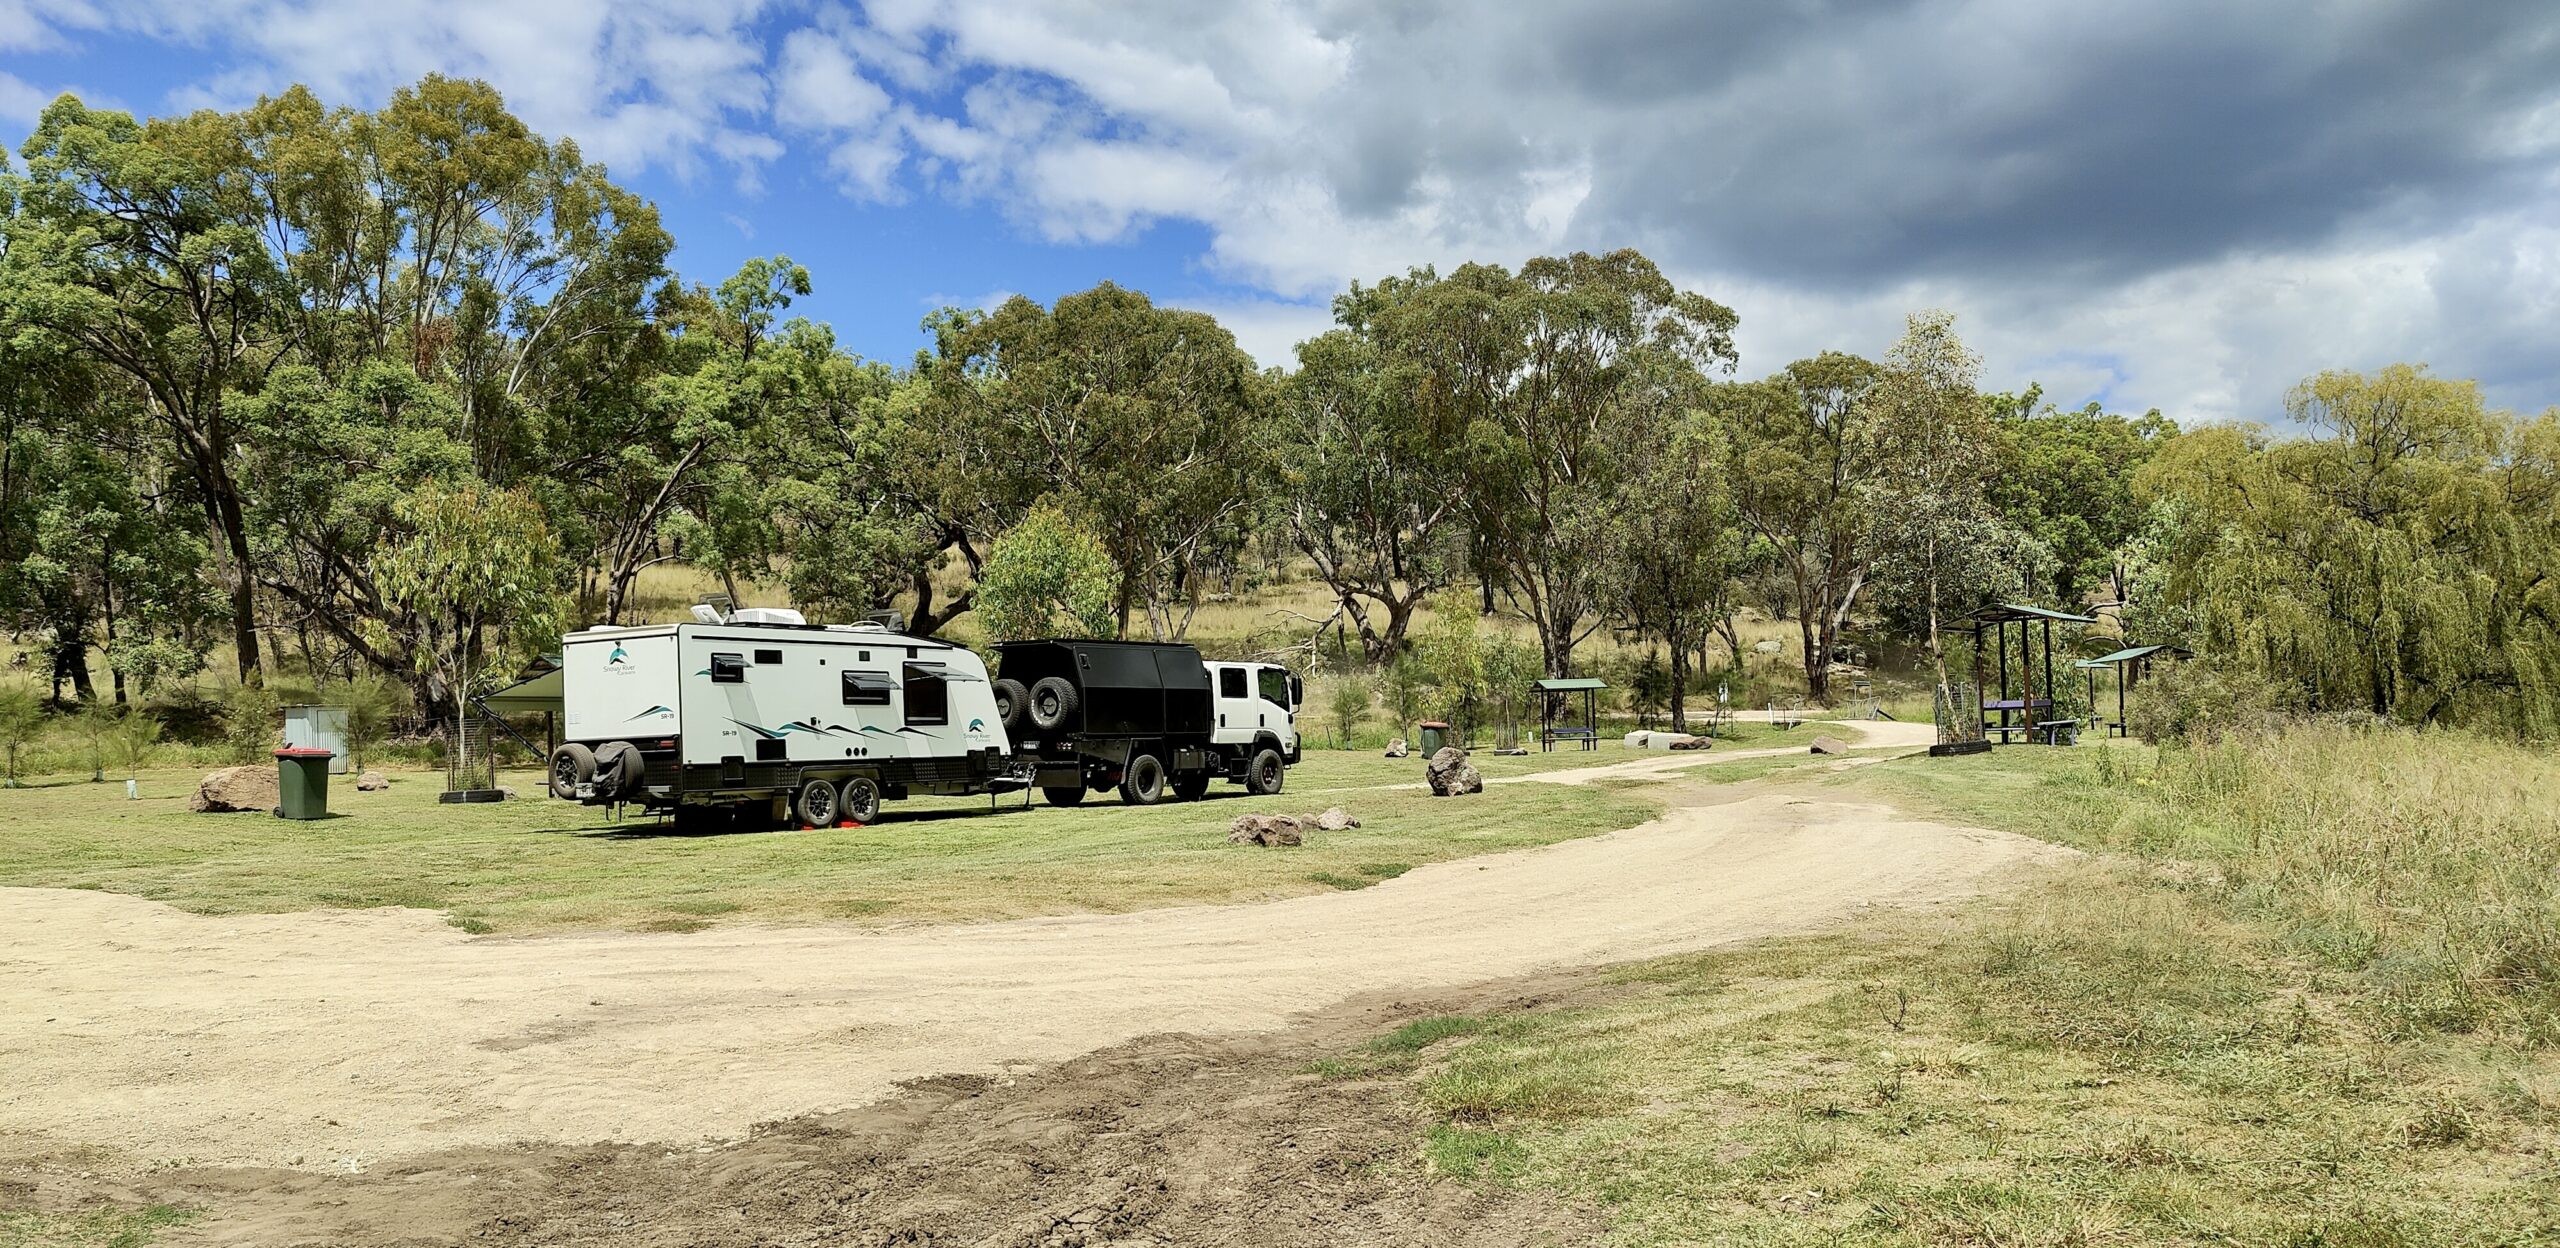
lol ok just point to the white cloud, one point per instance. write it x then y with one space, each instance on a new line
2187 205
819 87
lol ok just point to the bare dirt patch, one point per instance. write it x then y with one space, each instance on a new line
1166 1140
339 1040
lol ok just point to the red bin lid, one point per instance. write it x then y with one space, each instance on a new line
305 751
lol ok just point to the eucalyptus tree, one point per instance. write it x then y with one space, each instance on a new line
136 246
1373 494
1799 460
876 496
2066 479
1675 574
1939 546
1143 422
1550 374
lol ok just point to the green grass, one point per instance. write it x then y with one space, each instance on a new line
102 1228
2294 999
536 865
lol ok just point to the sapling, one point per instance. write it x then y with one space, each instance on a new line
21 720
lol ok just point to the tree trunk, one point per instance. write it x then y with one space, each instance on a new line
1679 688
244 583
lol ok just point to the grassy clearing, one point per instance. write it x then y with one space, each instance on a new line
2299 998
536 865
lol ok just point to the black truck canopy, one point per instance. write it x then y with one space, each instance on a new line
1126 688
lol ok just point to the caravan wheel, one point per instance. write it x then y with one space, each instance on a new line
861 801
817 805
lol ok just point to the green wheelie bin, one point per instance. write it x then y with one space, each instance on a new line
302 783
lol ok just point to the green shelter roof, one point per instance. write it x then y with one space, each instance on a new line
2021 611
2130 653
1571 683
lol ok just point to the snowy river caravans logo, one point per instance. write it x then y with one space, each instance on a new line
618 662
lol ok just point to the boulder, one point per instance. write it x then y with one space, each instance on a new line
1830 745
1638 740
1767 647
1334 819
1450 775
1397 748
372 782
236 789
1689 743
1265 830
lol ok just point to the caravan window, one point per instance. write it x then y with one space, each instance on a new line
928 697
728 669
1231 682
866 688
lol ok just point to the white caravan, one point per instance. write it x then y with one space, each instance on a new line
762 714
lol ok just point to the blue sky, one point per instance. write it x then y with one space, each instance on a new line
2186 205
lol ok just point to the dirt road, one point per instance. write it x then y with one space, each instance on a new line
337 1039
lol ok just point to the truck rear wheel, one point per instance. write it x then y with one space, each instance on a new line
818 805
1064 796
1264 775
1142 782
1053 703
571 765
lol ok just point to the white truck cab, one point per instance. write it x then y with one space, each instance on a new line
1253 699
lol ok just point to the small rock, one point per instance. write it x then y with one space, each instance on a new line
1830 745
1690 743
372 782
236 789
1398 749
506 793
1335 819
1265 830
1767 647
1517 751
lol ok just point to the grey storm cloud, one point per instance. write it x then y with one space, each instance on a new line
2184 203
1863 142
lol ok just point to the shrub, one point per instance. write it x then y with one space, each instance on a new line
2195 700
251 722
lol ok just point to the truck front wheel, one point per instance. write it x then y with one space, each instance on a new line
1067 796
1143 783
1263 776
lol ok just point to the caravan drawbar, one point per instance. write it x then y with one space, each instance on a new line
763 716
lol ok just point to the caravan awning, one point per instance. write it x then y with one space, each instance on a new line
542 693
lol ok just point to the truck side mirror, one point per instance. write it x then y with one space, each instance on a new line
1297 691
